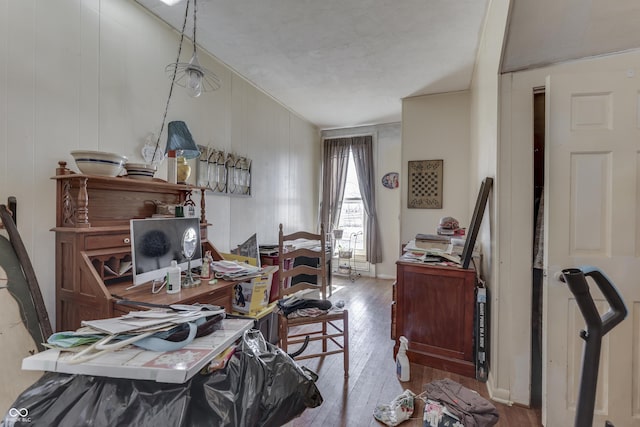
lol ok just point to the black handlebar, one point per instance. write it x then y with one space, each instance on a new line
575 278
597 327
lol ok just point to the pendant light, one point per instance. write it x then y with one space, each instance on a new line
191 75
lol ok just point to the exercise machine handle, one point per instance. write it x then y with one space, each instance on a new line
576 280
597 327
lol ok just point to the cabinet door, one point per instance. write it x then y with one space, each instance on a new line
436 311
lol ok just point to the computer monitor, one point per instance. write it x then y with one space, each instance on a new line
155 242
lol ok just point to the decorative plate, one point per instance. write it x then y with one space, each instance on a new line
390 180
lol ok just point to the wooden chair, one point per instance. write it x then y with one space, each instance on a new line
331 327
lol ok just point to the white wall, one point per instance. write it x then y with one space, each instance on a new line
506 152
516 152
510 301
387 142
286 169
90 74
436 127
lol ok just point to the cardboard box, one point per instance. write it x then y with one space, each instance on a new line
267 322
481 335
251 297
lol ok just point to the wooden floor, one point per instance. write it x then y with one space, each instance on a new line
372 378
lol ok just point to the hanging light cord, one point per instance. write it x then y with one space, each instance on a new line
195 14
175 70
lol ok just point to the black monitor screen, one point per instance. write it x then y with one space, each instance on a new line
155 242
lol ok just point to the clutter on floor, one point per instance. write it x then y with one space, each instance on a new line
467 405
447 404
397 411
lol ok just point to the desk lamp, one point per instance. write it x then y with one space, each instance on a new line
180 143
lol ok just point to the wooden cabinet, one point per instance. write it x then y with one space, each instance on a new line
433 307
93 242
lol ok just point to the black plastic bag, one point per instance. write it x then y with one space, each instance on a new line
274 391
83 400
260 386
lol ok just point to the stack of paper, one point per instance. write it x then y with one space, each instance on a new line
414 253
135 363
148 320
231 270
432 241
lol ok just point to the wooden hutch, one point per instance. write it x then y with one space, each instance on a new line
93 216
433 306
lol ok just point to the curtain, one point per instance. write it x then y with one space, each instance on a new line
362 151
336 160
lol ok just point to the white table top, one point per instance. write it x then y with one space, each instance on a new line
135 363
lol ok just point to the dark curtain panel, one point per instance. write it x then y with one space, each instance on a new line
336 159
334 179
362 151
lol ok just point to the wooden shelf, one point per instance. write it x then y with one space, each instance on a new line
93 246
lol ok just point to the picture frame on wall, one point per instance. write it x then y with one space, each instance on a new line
425 184
390 180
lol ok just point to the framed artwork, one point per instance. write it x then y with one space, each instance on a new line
425 184
390 180
476 220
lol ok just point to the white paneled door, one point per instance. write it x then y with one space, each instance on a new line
592 217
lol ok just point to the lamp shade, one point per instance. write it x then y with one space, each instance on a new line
179 139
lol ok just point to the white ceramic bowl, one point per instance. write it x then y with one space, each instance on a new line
99 162
140 171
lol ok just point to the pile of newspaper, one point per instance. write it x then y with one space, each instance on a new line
149 320
232 270
160 329
415 253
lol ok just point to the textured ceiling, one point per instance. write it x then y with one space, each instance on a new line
343 63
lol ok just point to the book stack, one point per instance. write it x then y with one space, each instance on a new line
432 241
413 253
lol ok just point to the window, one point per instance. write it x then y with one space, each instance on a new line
340 157
352 213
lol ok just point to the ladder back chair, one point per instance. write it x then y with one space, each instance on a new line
332 328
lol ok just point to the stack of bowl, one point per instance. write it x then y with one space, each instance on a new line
140 171
99 162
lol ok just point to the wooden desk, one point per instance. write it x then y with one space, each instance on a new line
219 294
93 239
434 308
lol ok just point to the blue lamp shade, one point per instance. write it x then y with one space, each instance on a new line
179 139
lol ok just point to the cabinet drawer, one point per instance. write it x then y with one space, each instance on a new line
100 241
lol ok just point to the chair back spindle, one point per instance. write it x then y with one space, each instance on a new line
333 327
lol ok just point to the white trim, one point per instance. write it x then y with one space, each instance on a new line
500 395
